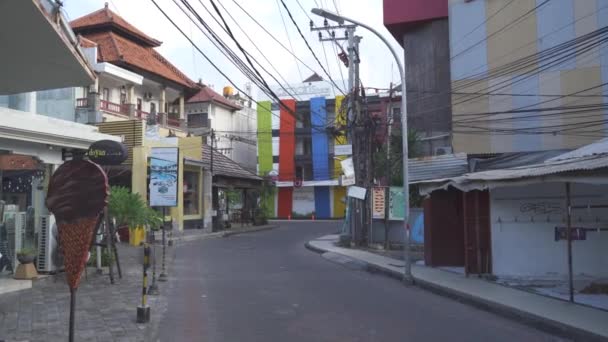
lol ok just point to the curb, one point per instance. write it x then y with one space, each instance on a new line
222 234
253 230
539 322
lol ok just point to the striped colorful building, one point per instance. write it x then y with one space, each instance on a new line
296 142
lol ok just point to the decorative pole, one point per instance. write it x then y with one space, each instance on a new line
163 275
153 289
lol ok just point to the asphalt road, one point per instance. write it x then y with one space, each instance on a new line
266 286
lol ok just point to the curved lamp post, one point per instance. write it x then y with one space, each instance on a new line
407 272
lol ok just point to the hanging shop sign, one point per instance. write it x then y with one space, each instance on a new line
16 162
396 204
107 152
343 150
163 176
347 167
378 202
577 233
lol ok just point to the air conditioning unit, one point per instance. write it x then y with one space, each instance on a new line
19 234
439 151
49 259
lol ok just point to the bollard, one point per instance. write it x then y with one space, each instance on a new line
163 275
153 289
143 311
313 217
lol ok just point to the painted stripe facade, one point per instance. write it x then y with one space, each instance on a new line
320 147
479 54
322 208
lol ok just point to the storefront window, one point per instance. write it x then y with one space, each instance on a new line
191 193
22 202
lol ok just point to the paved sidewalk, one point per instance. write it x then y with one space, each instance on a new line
105 312
572 320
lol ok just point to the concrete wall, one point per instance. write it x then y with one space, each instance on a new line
522 230
396 229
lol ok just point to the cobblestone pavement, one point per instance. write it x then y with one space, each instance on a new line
104 312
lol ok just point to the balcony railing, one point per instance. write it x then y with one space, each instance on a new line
121 109
82 102
140 114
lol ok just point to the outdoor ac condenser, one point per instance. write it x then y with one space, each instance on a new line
47 245
20 222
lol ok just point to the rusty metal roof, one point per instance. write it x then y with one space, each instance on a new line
444 166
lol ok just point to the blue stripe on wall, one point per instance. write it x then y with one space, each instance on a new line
529 85
322 209
466 36
550 20
320 143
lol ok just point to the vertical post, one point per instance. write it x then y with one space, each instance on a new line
109 237
143 311
72 314
153 289
569 234
163 275
477 234
387 193
388 169
465 223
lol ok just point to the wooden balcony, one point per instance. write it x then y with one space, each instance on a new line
82 102
114 108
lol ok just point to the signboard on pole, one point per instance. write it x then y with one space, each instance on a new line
163 176
378 202
347 167
357 192
343 150
396 204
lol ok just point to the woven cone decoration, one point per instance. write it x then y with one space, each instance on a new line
78 192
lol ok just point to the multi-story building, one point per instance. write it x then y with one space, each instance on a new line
134 80
525 80
296 149
233 121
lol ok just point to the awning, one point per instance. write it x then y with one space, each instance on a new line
194 162
592 169
25 126
39 49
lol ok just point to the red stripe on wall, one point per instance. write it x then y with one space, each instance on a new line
287 141
285 202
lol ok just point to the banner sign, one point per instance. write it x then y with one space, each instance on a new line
396 204
378 203
577 233
163 176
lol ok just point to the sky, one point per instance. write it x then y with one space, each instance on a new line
377 68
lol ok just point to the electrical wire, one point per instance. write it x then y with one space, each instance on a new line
288 38
310 48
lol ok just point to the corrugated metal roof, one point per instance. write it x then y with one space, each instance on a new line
598 147
574 168
449 165
224 166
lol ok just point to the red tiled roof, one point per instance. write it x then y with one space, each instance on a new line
86 43
115 49
206 94
104 19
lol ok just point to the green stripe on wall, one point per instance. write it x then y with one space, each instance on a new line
265 151
264 137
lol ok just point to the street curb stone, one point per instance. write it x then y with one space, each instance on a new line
538 322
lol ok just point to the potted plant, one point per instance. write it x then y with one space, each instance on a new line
130 212
27 255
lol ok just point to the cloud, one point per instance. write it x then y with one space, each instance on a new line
375 58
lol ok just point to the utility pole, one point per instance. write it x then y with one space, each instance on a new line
353 112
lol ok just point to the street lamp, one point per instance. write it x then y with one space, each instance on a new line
407 272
